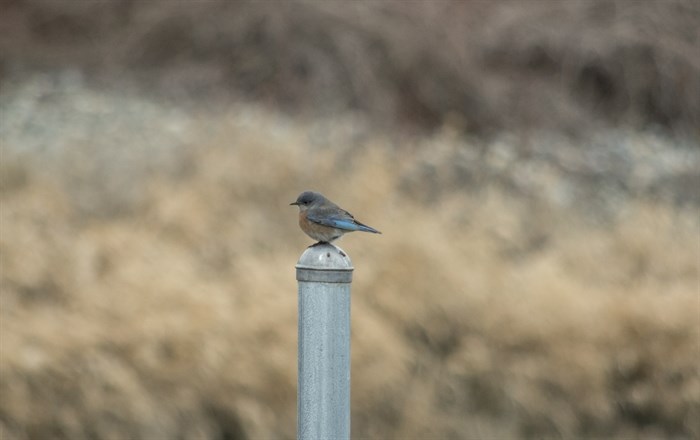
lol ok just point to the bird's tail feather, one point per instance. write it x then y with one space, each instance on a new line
365 228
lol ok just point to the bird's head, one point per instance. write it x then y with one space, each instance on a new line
308 199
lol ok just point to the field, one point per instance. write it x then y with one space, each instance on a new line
533 280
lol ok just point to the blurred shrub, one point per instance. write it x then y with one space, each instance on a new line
481 66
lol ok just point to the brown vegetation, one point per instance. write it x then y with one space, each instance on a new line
574 65
476 314
528 286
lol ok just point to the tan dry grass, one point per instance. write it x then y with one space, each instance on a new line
178 319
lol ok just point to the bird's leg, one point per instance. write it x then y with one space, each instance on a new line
317 244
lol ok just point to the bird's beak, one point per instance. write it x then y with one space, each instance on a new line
294 203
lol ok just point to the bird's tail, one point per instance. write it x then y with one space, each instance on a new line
365 228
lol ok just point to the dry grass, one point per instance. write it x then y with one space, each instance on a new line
526 285
475 315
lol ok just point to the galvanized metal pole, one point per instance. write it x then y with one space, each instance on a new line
324 273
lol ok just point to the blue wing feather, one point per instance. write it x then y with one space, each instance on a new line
346 222
350 225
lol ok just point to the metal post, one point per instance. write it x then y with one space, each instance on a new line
324 273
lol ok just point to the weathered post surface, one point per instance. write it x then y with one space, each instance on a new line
324 273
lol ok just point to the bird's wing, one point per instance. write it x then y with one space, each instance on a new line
337 218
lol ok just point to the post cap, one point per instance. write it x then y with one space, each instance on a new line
324 263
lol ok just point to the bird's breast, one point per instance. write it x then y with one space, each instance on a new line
317 231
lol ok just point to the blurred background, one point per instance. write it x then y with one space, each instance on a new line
534 167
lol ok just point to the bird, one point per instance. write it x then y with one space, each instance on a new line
325 221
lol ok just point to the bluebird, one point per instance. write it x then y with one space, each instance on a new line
325 221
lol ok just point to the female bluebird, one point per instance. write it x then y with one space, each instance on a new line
325 221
